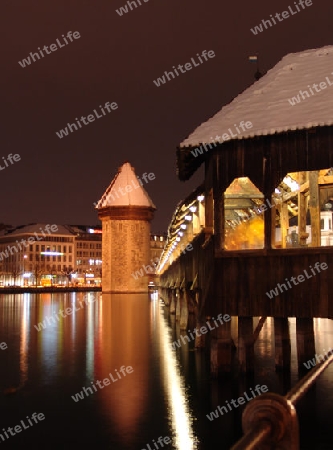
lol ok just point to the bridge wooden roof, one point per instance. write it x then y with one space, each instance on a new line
266 105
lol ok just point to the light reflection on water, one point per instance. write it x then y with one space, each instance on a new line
47 367
180 417
168 394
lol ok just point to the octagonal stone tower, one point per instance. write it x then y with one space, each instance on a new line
126 211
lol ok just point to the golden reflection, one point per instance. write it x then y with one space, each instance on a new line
180 416
247 235
122 339
24 339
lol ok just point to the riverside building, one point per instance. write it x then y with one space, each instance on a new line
71 254
29 255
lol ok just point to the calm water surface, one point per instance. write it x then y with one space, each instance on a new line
167 394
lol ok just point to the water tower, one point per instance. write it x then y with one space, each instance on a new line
126 211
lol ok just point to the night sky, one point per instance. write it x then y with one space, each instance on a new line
116 59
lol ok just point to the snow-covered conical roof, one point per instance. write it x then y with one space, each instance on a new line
125 190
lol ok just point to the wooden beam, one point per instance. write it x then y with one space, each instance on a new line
273 225
284 217
219 220
240 204
302 236
327 179
209 212
314 208
249 195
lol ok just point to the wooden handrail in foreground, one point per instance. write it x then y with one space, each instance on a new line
270 421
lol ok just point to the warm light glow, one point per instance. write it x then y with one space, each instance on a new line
183 226
181 417
188 217
193 209
294 186
246 235
51 253
200 198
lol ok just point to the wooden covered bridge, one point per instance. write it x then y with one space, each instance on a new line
260 225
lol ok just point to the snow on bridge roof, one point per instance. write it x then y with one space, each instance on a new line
266 103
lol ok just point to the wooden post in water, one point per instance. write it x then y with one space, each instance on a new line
200 341
178 300
184 309
221 346
245 344
305 341
173 301
282 343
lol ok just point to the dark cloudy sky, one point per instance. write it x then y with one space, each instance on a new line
116 60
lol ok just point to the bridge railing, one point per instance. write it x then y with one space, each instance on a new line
270 421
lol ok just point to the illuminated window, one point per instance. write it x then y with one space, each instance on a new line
296 223
244 223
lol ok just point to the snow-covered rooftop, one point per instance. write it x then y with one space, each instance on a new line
266 103
125 190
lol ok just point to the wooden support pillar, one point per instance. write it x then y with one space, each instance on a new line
200 341
305 341
219 220
268 227
314 207
178 294
173 301
190 296
209 213
282 343
245 344
273 226
167 296
221 346
184 309
284 217
302 236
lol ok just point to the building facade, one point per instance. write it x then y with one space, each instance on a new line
70 254
36 254
88 254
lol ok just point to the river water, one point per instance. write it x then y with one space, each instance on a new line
141 389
